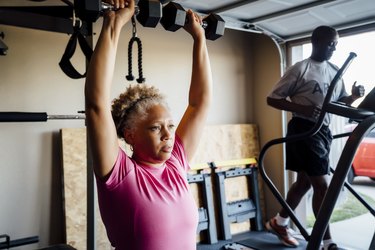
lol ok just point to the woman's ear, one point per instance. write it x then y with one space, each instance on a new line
128 136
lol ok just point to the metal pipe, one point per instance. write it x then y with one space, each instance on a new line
35 117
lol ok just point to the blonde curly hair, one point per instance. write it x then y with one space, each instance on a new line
133 104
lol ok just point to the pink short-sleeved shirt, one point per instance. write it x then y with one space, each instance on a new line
149 208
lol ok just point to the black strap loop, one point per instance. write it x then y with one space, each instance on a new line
65 63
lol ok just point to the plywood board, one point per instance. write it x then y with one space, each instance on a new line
75 191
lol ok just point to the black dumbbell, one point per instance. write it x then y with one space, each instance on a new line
174 17
148 12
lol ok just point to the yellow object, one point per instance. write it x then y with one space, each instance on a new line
228 163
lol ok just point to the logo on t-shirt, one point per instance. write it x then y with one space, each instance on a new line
317 87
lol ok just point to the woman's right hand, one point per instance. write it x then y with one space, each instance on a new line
194 25
124 10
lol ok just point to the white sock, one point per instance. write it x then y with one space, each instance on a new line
326 243
281 221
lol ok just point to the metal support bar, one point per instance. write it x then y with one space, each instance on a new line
257 221
91 185
19 17
356 195
338 180
206 214
372 245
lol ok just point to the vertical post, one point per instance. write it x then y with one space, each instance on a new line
90 230
220 184
207 198
255 196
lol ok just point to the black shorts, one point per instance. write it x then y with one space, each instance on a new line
310 155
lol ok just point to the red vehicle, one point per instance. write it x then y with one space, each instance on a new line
364 159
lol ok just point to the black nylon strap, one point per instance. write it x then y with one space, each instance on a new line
65 63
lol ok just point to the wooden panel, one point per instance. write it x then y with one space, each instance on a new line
229 142
75 191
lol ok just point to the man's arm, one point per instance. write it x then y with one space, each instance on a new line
284 104
101 130
200 93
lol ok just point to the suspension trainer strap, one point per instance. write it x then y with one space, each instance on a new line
65 63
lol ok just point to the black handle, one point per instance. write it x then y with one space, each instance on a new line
23 116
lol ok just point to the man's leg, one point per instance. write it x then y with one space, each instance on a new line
279 224
296 192
320 186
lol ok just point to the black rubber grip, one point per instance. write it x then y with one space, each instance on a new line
23 117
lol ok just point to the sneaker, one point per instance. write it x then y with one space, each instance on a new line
332 246
282 233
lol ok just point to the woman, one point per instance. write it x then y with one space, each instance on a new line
145 200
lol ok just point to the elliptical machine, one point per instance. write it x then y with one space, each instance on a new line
366 122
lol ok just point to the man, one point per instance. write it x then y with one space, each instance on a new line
301 91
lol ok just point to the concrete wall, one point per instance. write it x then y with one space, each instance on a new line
244 67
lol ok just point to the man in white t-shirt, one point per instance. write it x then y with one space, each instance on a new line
301 91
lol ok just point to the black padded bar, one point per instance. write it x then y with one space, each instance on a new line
18 242
23 117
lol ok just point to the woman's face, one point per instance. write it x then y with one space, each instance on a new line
153 137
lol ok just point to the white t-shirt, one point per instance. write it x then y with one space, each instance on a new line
307 83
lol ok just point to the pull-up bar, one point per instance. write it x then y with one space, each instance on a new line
35 117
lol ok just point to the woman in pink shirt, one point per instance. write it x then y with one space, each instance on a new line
145 200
